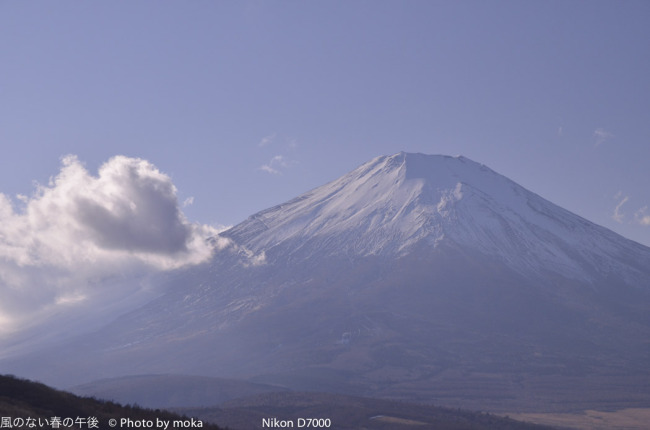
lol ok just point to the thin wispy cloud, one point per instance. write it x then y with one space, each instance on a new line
601 135
278 163
292 144
641 217
618 215
267 140
188 202
278 140
275 165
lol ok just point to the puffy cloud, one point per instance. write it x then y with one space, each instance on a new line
81 230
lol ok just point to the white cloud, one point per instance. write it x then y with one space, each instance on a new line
188 202
601 136
268 169
618 215
267 140
275 165
641 217
278 163
81 230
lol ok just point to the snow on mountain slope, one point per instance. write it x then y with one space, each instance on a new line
391 203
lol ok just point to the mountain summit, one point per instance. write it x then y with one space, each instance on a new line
390 204
419 277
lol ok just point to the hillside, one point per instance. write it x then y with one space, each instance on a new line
22 400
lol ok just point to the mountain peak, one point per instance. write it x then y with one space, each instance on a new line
384 206
391 203
436 171
379 207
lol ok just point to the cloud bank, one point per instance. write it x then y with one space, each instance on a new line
72 235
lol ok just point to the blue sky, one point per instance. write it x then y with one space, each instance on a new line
246 104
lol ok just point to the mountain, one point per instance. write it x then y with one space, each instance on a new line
416 277
390 204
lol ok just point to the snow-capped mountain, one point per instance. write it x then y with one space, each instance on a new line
391 203
414 276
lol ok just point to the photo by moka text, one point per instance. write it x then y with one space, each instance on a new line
95 423
127 423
